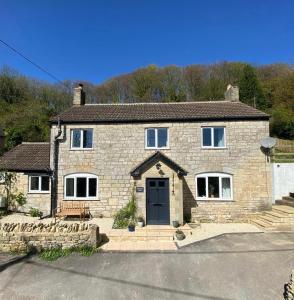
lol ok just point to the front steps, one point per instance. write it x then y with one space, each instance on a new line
287 200
280 218
151 233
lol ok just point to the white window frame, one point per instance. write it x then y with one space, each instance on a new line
220 176
82 139
156 138
212 137
75 176
39 191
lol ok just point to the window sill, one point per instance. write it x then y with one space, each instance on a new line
214 148
39 192
166 148
81 199
214 200
81 149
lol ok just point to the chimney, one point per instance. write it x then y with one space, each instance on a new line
232 93
79 96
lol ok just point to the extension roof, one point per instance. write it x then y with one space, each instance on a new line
160 112
27 157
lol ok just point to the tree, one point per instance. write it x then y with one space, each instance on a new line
250 90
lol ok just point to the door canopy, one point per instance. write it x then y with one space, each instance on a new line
152 160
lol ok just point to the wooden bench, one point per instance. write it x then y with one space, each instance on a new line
72 208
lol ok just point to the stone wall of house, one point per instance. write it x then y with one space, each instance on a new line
40 201
118 148
24 236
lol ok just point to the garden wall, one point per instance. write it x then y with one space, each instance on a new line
24 236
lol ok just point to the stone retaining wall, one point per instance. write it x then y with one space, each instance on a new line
23 236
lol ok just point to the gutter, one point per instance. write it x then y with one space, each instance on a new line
54 177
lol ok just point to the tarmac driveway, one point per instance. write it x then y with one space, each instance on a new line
233 266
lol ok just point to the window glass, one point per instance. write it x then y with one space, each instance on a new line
87 138
213 187
201 187
45 183
70 187
152 183
162 137
76 138
92 187
206 137
34 183
81 187
226 187
161 183
150 137
219 137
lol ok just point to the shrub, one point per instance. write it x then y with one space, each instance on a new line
125 214
34 212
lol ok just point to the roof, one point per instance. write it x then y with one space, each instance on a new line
27 157
152 160
148 112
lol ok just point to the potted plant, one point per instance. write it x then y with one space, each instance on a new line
140 221
175 224
131 226
180 235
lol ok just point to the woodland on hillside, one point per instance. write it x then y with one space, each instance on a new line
27 104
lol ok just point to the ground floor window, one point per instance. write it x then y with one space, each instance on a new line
38 184
81 186
214 186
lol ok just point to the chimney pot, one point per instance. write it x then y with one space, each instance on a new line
79 95
232 93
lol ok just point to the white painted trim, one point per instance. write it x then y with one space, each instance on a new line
82 139
220 176
39 191
83 175
212 137
156 139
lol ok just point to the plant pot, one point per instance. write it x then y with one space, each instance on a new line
141 224
180 236
175 224
131 228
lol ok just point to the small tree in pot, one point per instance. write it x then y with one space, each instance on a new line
140 221
180 235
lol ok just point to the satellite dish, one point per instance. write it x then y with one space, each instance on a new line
268 142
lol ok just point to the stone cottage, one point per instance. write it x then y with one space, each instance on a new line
182 160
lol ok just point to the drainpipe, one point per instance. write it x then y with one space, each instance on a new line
54 178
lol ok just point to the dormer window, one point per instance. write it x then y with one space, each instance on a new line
81 139
156 138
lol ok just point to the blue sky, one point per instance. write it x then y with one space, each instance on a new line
95 40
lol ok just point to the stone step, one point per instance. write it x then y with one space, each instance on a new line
288 198
262 224
284 209
285 202
270 219
277 217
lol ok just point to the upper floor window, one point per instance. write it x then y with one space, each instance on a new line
81 186
82 138
214 186
213 137
38 184
156 138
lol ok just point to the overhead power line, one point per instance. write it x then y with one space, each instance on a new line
33 63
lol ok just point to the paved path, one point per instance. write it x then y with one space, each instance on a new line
251 266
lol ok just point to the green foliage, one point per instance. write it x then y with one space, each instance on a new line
55 253
26 105
34 212
282 123
126 214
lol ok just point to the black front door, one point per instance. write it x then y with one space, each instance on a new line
157 193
